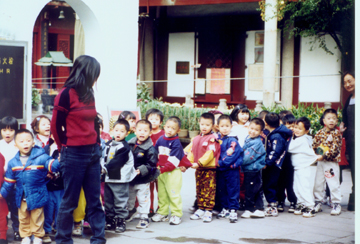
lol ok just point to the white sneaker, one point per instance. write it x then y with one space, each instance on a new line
143 223
336 209
246 214
26 240
317 207
271 211
175 220
77 231
198 214
233 216
299 209
160 218
37 240
308 212
207 217
224 213
257 214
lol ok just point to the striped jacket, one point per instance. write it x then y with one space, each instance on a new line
30 179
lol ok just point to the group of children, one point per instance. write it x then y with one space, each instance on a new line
236 159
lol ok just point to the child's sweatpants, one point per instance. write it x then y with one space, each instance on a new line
169 190
116 199
303 186
270 182
329 172
51 209
3 221
205 188
229 185
253 191
141 192
31 222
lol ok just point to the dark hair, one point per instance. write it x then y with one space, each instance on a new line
327 111
305 121
258 121
224 117
348 72
35 123
215 112
174 119
262 114
156 112
239 108
123 122
100 120
144 122
272 119
283 113
21 131
208 116
127 115
84 73
288 119
9 122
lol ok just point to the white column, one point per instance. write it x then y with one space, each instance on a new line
287 63
270 45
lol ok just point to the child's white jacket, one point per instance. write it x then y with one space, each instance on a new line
302 153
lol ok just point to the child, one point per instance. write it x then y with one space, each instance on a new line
265 131
204 153
286 178
172 161
118 164
9 127
28 169
146 158
231 158
302 157
216 114
103 135
275 146
253 162
240 117
131 118
3 206
327 144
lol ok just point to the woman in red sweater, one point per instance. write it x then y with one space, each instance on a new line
76 133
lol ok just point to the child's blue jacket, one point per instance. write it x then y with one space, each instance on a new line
254 155
30 179
233 161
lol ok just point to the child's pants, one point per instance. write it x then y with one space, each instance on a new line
141 192
329 172
51 209
286 181
229 185
205 188
11 202
303 187
3 221
116 198
270 182
31 222
253 191
169 190
79 212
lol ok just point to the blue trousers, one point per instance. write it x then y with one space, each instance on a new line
270 182
228 184
80 167
51 209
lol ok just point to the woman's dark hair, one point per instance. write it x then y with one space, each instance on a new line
9 122
127 115
305 121
35 123
239 108
85 72
348 72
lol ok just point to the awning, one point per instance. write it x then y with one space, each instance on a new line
55 59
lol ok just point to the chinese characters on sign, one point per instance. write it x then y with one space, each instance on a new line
44 44
182 68
5 64
218 81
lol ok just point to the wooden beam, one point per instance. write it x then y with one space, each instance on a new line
145 3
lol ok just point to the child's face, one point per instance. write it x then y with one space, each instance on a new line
24 142
216 126
290 126
243 117
171 128
254 130
100 129
120 132
132 123
44 127
206 126
142 132
299 129
8 134
225 127
155 121
330 120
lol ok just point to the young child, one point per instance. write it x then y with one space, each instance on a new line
204 154
103 135
286 178
240 116
253 162
146 158
216 114
231 158
172 161
327 144
118 164
275 146
302 157
131 118
265 131
28 170
3 206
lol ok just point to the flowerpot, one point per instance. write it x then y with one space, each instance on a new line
193 133
183 133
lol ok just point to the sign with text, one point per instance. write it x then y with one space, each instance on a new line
183 68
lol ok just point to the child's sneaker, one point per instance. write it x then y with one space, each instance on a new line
37 240
280 207
292 207
77 231
198 214
131 215
120 225
246 214
299 209
85 225
317 207
207 217
160 218
224 213
336 209
308 212
271 210
109 223
192 209
175 220
143 223
46 238
233 216
257 214
26 240
215 212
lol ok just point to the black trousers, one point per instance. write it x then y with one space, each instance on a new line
253 191
286 182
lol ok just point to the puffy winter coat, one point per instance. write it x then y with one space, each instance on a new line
254 155
233 161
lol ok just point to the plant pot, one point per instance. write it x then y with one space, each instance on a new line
183 133
193 133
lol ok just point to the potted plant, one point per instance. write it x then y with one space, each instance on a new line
35 98
194 127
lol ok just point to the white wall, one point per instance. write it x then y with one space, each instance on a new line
181 48
318 62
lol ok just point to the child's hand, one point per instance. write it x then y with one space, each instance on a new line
342 127
137 171
264 167
195 166
230 151
182 168
320 158
50 176
1 196
103 171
